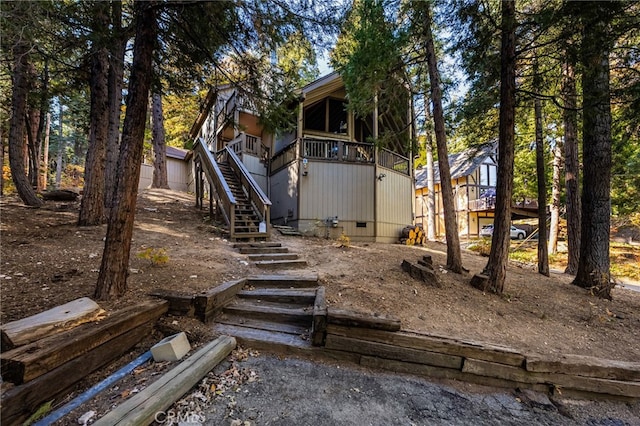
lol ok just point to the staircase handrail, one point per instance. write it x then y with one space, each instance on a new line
256 195
215 176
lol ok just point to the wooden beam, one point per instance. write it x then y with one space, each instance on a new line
382 350
358 319
55 320
180 304
585 366
210 302
408 339
580 383
19 402
35 359
319 326
161 394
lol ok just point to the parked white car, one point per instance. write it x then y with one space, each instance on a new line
515 233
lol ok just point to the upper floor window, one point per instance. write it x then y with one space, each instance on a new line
328 115
488 176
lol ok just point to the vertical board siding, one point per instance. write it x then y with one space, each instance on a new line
395 209
257 169
178 175
284 194
334 189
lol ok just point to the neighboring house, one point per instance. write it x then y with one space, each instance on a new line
324 178
474 179
179 171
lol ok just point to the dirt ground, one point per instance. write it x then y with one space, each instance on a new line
47 260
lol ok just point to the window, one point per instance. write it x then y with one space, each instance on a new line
488 175
328 115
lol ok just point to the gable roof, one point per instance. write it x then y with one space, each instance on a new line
461 164
177 153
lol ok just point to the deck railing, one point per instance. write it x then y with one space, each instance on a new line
337 150
286 156
248 144
393 161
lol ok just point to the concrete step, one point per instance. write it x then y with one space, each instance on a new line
274 312
305 296
281 264
263 250
273 256
283 281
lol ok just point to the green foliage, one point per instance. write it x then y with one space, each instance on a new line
156 256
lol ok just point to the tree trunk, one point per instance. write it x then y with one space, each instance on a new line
92 210
454 256
593 265
61 145
17 126
33 152
45 160
160 179
555 197
116 76
543 255
431 196
496 269
112 279
571 164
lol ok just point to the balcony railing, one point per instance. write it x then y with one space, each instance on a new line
393 161
335 150
248 144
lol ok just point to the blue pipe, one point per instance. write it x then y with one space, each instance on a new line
93 391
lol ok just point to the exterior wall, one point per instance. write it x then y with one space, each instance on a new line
257 170
338 189
178 174
284 195
282 141
394 205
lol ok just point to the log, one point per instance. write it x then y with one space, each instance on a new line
60 195
421 341
319 327
480 281
207 305
19 402
27 362
357 319
161 394
52 321
398 353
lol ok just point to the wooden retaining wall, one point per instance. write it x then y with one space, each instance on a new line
373 343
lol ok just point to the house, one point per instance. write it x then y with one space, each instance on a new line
327 178
179 171
324 178
474 179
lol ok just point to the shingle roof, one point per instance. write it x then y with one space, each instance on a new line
461 164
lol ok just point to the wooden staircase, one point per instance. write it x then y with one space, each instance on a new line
271 311
247 220
270 255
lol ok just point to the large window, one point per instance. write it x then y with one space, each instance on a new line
328 115
488 175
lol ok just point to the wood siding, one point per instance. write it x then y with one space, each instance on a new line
257 169
178 174
394 206
284 195
343 190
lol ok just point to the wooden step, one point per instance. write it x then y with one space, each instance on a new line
272 256
257 244
297 330
272 341
282 281
263 250
281 264
293 314
305 296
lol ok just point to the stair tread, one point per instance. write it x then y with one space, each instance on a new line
263 339
283 281
270 307
272 256
237 320
263 250
264 292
